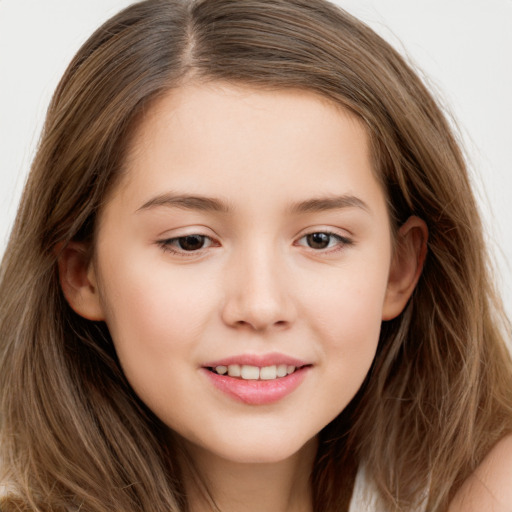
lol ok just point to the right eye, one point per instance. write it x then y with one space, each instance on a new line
186 244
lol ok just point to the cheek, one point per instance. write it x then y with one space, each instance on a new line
156 318
350 335
349 306
347 315
152 309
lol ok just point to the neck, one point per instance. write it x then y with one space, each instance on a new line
228 486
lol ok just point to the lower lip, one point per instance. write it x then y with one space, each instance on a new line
257 392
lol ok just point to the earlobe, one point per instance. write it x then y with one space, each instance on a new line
78 280
406 266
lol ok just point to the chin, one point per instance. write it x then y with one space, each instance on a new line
262 451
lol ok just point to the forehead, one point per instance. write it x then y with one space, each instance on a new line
200 105
206 138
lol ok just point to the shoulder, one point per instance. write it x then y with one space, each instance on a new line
489 488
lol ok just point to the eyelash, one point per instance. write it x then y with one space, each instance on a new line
170 244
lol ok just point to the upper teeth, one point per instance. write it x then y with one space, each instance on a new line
249 372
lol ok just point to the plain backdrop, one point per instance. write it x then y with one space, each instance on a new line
463 47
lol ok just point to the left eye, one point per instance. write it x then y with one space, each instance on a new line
322 240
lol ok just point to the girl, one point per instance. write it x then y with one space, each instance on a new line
248 273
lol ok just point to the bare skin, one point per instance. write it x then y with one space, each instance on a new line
281 487
489 489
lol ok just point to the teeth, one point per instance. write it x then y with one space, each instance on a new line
234 370
268 373
221 370
249 372
281 370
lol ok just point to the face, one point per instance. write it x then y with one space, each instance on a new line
247 236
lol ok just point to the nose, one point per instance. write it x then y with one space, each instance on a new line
258 292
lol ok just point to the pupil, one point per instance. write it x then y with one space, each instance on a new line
191 243
318 240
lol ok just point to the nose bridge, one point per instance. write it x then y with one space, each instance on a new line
257 294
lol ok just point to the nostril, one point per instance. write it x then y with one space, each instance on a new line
261 325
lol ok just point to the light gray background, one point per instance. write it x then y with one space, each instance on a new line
463 46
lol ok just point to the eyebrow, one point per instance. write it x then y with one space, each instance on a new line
329 203
211 204
187 202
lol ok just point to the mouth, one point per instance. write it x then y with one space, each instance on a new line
254 380
250 372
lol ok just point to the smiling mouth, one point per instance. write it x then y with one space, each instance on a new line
249 372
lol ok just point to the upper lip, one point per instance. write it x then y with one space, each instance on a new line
261 360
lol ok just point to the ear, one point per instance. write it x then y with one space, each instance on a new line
78 280
406 266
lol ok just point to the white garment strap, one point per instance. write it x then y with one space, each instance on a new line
365 495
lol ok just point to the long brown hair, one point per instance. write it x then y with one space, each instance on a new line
438 396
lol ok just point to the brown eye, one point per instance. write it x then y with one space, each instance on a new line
318 240
324 242
191 242
187 245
